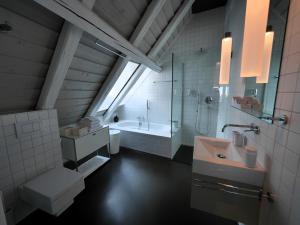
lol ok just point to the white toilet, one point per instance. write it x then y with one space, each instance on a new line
54 190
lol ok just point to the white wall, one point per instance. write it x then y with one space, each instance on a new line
278 147
204 30
25 156
155 87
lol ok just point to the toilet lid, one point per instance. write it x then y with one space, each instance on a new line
52 183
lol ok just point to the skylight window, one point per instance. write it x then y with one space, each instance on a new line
118 86
139 82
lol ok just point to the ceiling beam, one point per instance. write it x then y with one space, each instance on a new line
65 49
171 27
139 33
81 16
61 60
145 23
176 20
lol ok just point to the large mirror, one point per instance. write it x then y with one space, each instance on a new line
260 99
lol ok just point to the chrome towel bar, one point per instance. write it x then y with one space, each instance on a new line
231 189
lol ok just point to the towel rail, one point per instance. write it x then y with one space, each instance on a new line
231 189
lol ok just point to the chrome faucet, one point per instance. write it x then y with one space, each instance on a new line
252 127
141 119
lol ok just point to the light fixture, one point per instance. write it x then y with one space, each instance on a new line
225 59
269 37
254 37
110 50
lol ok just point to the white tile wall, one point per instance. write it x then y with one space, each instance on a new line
159 95
28 153
204 30
279 147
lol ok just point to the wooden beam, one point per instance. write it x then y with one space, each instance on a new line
79 15
61 60
145 23
181 13
143 26
176 20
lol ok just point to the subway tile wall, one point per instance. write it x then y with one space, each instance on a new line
204 31
29 146
279 146
157 89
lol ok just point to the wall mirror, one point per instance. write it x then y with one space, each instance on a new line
260 99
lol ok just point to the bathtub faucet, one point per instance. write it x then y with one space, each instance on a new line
140 119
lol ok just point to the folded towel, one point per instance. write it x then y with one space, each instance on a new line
91 122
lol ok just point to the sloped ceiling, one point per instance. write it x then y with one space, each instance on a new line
27 50
160 23
123 15
91 64
203 5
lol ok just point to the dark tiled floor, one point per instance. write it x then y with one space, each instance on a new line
133 189
184 155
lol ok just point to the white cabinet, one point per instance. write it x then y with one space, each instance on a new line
76 148
225 198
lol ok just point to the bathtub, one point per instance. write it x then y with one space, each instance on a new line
156 140
156 129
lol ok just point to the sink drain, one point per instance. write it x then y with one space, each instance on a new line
221 156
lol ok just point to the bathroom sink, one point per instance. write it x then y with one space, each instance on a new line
217 157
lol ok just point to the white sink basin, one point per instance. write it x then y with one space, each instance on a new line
217 157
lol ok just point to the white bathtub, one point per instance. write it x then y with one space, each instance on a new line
156 140
157 129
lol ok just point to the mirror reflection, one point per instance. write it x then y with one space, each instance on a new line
259 98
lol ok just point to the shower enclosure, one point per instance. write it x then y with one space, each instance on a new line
195 95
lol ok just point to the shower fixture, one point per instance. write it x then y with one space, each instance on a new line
147 115
209 99
204 107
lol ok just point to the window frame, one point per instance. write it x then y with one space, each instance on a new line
103 111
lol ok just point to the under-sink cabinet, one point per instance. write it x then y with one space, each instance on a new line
225 198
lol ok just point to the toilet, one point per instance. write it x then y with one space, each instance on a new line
53 191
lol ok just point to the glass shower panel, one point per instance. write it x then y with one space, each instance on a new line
177 88
195 74
176 106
